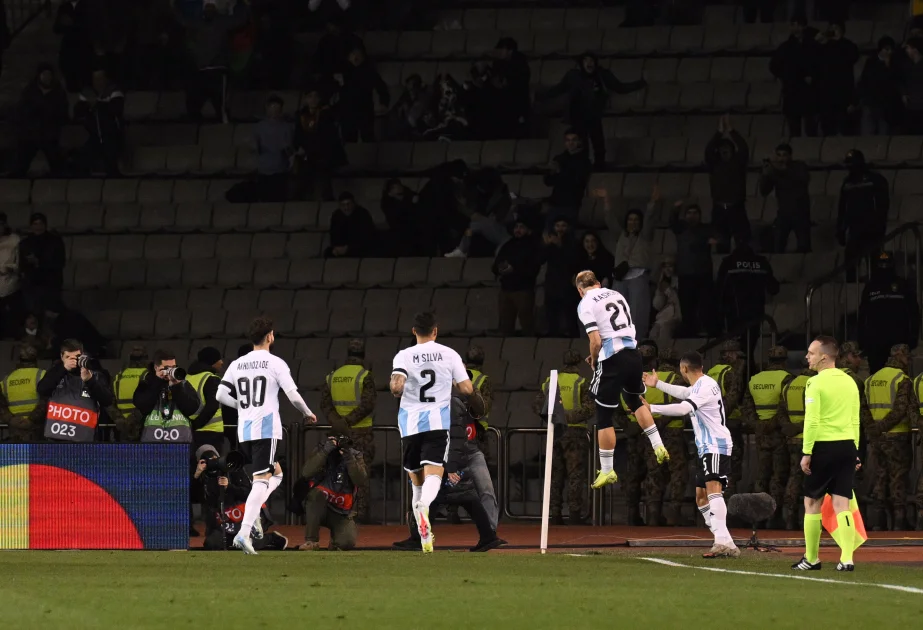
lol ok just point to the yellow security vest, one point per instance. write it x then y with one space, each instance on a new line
478 379
794 398
345 385
881 390
571 388
20 389
216 422
657 397
125 384
766 389
718 373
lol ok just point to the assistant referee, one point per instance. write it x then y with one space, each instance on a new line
830 448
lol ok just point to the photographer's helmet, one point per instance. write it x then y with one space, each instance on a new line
205 449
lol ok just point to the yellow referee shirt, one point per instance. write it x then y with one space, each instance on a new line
831 409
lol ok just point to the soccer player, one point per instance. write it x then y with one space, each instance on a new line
713 442
831 452
617 369
251 385
422 377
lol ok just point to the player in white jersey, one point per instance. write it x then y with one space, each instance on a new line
251 385
617 369
422 377
713 442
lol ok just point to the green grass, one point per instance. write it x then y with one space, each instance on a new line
444 591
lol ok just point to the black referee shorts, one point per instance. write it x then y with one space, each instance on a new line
833 469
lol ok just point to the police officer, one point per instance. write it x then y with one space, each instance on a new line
203 376
20 396
348 399
863 207
643 470
790 418
730 374
570 449
124 385
759 408
894 410
888 313
674 438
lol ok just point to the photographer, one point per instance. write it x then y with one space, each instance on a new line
76 392
166 401
226 489
790 179
327 490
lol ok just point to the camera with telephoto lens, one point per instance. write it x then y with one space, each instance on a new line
83 361
343 441
176 373
221 466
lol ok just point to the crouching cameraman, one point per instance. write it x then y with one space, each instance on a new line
165 401
226 486
327 490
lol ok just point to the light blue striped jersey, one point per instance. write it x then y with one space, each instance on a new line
607 312
709 421
429 369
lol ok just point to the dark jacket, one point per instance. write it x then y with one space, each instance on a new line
72 324
96 386
693 253
356 231
744 279
836 83
791 186
524 256
602 264
102 117
338 472
71 22
235 495
356 94
561 263
316 134
797 64
48 271
208 38
518 76
403 220
912 85
569 183
42 114
209 390
464 433
888 312
153 392
880 88
863 207
330 56
728 180
589 93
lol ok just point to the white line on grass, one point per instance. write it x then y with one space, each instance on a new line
892 587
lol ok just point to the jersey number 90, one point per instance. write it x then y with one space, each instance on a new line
251 393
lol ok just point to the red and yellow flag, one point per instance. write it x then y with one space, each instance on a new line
828 518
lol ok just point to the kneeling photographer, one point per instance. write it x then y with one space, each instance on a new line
225 487
165 401
327 492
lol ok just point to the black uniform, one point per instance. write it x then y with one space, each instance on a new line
888 315
863 210
744 279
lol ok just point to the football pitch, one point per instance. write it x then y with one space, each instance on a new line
447 590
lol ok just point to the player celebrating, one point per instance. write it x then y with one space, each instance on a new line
251 385
703 400
422 376
616 367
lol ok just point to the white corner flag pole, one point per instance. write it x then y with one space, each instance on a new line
549 448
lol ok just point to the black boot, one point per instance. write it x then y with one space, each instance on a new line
412 543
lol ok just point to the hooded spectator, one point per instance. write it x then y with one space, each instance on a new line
560 297
352 231
912 87
100 109
836 85
879 91
76 54
588 88
41 259
694 267
727 156
570 172
517 265
513 66
862 215
398 203
790 179
43 110
356 103
592 255
318 149
796 63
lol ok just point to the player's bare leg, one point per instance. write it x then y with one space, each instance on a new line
426 484
724 546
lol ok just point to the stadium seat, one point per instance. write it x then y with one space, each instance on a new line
271 273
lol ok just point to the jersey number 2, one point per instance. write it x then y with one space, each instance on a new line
611 306
431 375
248 396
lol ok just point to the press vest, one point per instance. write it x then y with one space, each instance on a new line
20 389
345 385
719 373
337 485
794 398
881 390
478 379
571 388
72 415
766 389
198 381
126 382
167 424
657 397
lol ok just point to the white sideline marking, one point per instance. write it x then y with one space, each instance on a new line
892 587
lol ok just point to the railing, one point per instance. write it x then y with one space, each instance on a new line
20 12
841 274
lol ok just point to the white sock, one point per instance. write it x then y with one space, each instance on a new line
719 517
259 492
417 493
705 510
274 482
653 435
605 460
430 489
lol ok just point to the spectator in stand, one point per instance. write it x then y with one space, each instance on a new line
76 54
480 100
912 87
43 110
514 67
318 149
796 63
836 85
570 172
561 261
10 299
157 47
272 138
727 156
592 255
744 280
34 336
63 323
588 87
862 215
356 103
448 120
352 231
443 207
879 91
398 203
633 261
666 303
517 265
694 241
41 260
790 179
207 38
409 115
489 207
100 109
764 9
329 58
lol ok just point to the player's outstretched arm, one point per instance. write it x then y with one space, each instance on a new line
298 403
676 391
226 394
683 408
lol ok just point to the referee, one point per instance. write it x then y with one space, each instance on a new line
830 453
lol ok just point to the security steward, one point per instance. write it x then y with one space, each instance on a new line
75 395
125 384
730 374
888 313
673 430
19 389
571 449
759 409
790 418
894 411
166 401
203 376
643 470
348 399
850 361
